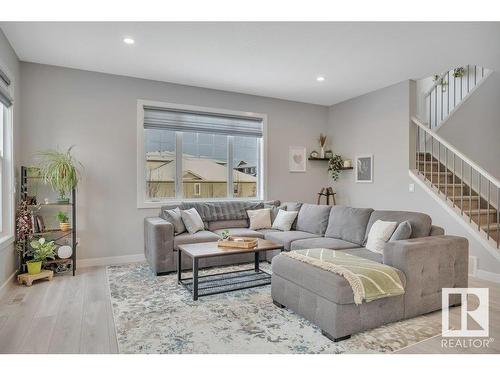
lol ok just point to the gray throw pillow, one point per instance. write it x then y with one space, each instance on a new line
192 220
402 232
175 218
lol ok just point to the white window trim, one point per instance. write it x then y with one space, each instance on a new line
7 230
262 170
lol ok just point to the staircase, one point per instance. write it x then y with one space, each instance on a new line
464 186
449 90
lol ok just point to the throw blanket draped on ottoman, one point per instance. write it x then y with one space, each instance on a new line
369 280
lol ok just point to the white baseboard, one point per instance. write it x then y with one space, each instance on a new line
488 276
109 261
4 286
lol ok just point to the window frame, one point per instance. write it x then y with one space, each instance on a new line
144 202
7 178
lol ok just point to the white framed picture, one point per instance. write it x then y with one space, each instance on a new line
364 168
297 159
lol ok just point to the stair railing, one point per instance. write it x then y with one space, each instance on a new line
466 172
448 91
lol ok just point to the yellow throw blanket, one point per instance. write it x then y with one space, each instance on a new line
369 280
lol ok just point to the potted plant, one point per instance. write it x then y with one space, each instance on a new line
458 72
225 234
63 221
59 170
335 165
42 251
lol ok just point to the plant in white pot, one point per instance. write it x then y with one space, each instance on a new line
42 250
59 169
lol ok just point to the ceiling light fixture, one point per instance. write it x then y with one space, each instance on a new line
320 78
128 41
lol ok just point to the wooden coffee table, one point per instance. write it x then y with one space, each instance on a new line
225 281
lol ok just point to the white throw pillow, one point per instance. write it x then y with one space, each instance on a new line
380 232
284 220
192 220
260 219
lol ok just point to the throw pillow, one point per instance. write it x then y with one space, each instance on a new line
192 220
293 206
274 210
402 232
260 219
380 233
284 220
175 218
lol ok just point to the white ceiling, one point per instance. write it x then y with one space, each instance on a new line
280 60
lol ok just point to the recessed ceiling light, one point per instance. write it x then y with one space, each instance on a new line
320 78
128 41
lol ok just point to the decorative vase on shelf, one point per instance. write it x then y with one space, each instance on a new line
347 163
322 153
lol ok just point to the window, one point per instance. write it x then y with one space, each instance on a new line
197 189
160 163
1 164
6 173
198 153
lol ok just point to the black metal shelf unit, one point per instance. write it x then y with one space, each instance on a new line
55 235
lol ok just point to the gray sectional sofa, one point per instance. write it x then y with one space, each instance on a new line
427 262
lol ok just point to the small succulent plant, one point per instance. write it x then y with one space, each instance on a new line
225 234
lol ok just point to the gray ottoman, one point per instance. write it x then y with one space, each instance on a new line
327 300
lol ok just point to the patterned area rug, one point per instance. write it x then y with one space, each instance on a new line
154 315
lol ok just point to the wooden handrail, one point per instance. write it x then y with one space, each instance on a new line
450 147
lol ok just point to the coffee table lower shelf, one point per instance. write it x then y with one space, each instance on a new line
227 282
223 282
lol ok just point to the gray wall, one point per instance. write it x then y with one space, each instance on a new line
378 123
97 113
9 60
474 129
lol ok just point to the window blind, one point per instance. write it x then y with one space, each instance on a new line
5 98
4 77
199 122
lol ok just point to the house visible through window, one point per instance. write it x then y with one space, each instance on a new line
200 155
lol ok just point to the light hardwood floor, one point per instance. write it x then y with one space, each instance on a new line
73 315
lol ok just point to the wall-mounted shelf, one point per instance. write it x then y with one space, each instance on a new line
326 159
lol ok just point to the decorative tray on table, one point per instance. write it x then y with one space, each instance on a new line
239 242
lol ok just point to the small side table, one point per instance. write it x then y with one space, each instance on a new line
28 279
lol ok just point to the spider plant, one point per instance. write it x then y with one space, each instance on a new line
59 170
